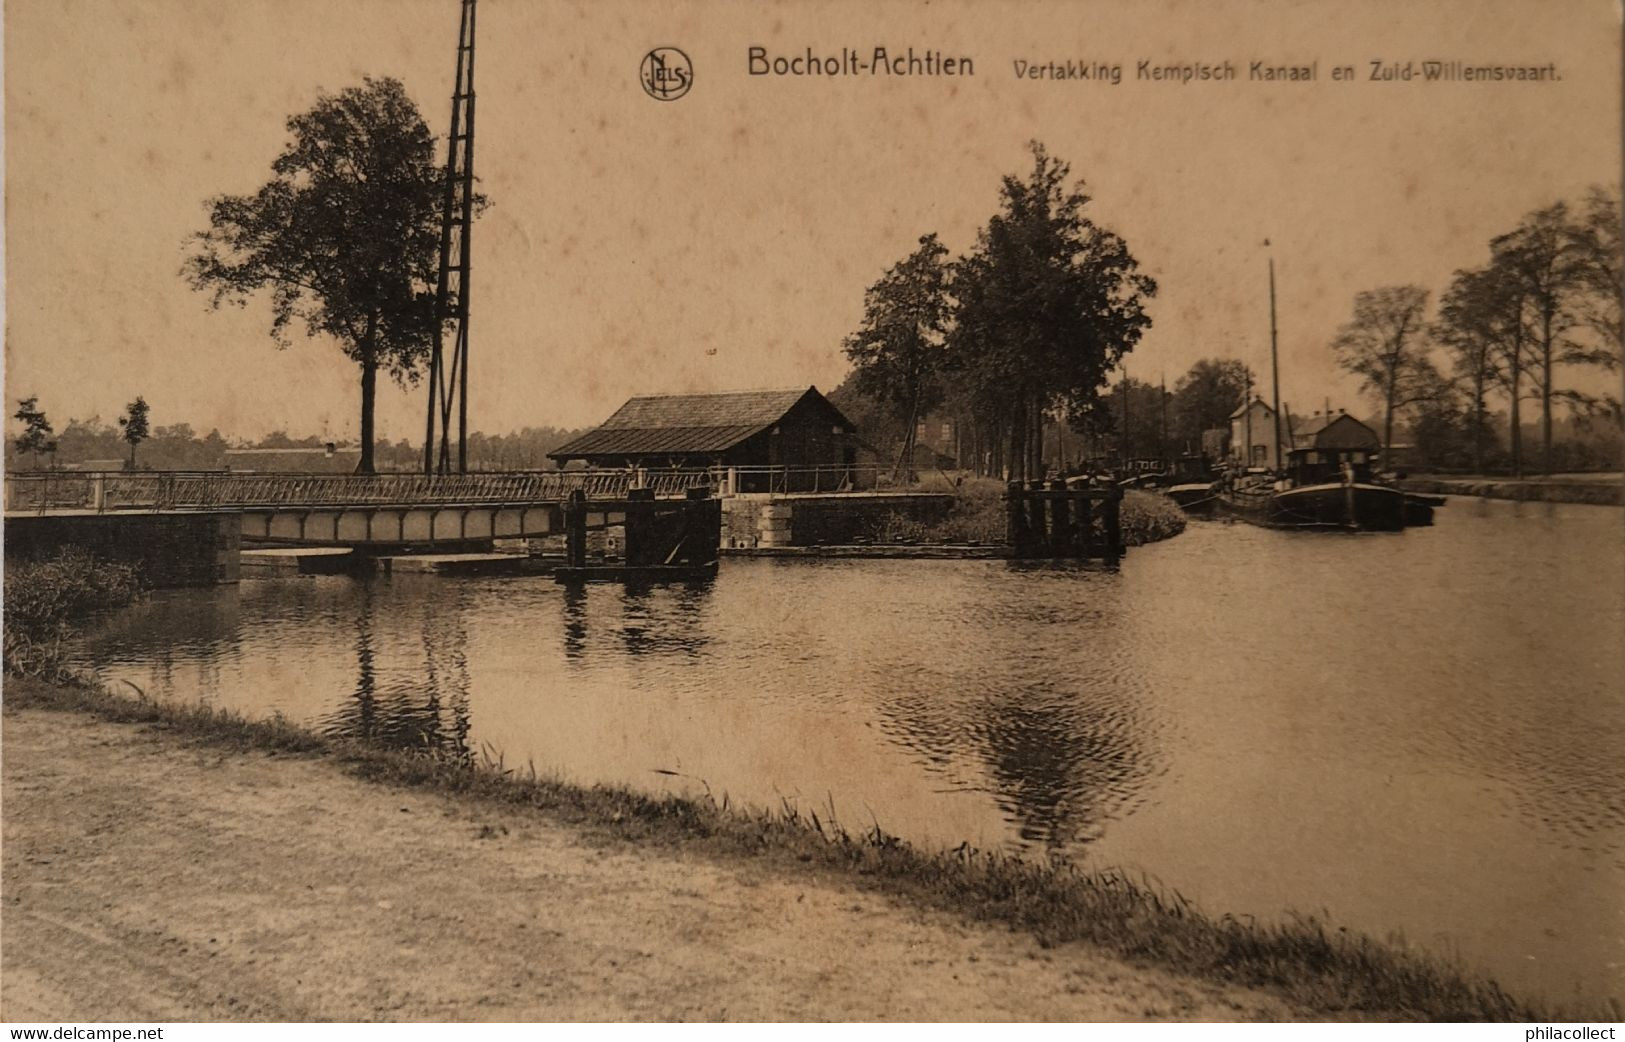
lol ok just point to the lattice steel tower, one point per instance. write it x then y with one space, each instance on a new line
448 379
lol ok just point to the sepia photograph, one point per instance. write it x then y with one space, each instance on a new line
952 511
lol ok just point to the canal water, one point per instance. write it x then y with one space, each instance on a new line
1418 735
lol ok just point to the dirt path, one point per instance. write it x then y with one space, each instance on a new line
150 879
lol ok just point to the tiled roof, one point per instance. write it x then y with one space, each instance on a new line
684 423
1241 410
636 442
1332 432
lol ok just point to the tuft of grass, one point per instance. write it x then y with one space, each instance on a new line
1148 517
44 599
978 516
1323 970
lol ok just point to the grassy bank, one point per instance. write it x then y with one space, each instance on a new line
978 517
1324 970
1148 517
1539 490
44 600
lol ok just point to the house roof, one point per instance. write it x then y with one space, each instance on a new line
678 424
1241 410
1337 432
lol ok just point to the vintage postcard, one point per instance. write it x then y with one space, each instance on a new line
545 510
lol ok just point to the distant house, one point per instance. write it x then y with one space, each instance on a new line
939 434
1329 447
1339 433
331 458
797 433
1254 439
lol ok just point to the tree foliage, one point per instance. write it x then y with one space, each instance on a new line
1205 397
1480 324
134 425
1542 262
898 351
1049 302
1385 345
345 236
36 436
1599 258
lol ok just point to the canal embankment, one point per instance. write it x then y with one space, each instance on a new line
163 871
971 522
179 863
1596 490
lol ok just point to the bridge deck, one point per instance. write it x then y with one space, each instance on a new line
172 491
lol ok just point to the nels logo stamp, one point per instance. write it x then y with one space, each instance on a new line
666 73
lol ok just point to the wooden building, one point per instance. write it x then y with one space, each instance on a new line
1330 448
789 440
1339 433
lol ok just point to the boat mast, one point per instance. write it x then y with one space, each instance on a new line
1247 418
1162 432
1275 367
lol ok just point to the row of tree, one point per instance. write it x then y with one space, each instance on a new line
39 439
1024 327
179 447
1544 304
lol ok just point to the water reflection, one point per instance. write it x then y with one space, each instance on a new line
425 708
655 619
1061 769
573 611
1060 763
1417 732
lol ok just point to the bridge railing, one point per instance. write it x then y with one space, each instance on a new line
202 490
836 477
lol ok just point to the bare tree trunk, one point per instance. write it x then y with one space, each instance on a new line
1517 421
369 394
1038 438
908 442
1017 460
1546 391
1388 430
1478 422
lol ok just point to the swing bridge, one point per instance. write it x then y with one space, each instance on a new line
376 511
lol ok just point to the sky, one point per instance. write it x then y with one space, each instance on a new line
724 239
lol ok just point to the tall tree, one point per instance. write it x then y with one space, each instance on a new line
134 425
36 435
1545 263
1384 344
1597 239
345 236
1049 302
898 350
1205 397
1481 325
